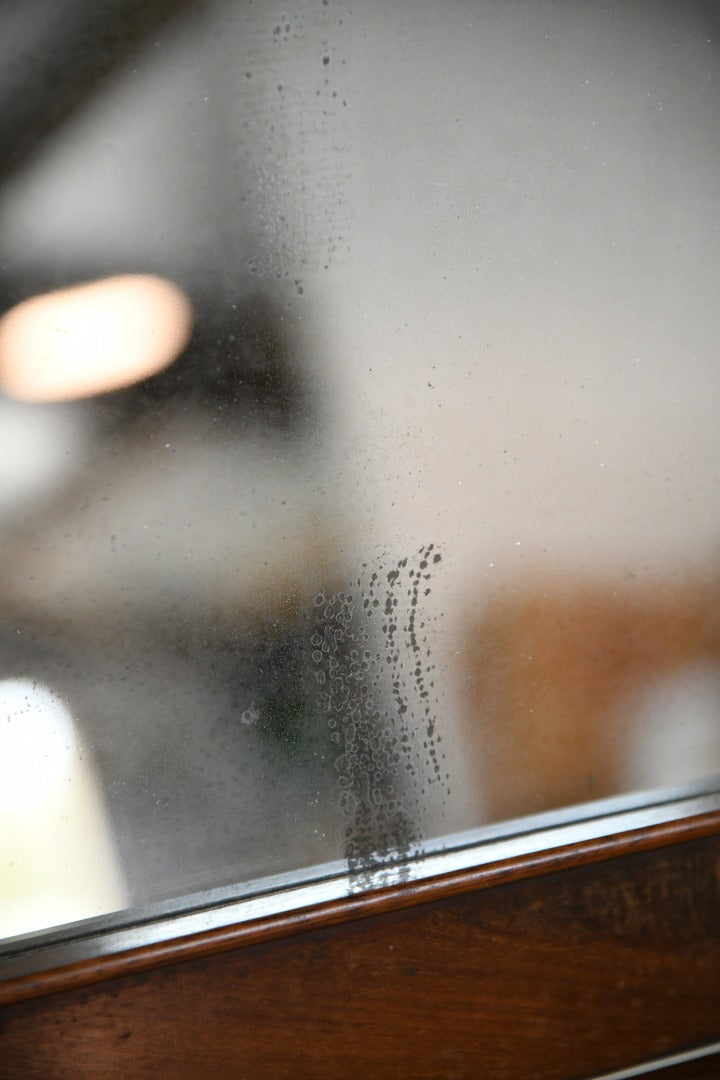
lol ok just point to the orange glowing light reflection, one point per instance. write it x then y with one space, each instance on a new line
92 338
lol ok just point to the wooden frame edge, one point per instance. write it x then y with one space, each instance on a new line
365 905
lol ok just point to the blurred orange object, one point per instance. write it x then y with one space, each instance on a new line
554 665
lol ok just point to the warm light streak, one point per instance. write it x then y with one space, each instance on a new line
92 338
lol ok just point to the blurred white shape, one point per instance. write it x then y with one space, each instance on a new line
675 726
57 863
38 451
92 338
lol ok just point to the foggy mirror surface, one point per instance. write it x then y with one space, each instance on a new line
359 442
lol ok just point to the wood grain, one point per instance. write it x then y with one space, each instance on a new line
567 975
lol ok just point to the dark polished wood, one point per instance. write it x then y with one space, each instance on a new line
570 974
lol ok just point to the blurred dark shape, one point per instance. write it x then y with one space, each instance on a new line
56 54
240 361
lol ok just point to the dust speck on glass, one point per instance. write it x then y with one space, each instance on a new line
359 454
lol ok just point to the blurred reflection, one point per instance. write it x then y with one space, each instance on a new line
165 588
407 518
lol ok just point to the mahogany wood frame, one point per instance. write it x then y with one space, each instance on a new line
568 963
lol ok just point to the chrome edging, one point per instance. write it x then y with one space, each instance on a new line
666 1062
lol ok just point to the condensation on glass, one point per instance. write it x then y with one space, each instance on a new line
359 453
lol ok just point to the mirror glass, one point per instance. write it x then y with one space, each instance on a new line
359 443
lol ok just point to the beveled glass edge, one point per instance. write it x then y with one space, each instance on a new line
215 909
669 1061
